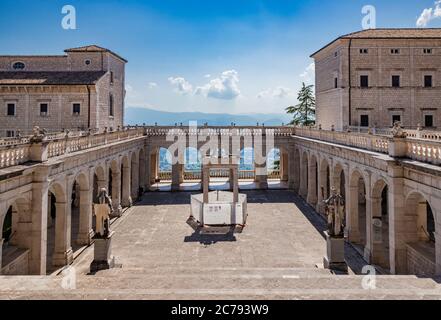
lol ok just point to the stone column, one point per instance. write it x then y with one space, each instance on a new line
368 246
377 241
284 162
176 176
135 180
143 169
85 232
234 175
438 247
38 234
303 189
312 184
352 214
321 187
205 183
153 168
293 176
63 254
126 199
260 168
116 192
397 221
1 254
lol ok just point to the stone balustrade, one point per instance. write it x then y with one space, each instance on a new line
420 145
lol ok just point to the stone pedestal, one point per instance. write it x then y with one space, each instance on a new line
335 254
103 258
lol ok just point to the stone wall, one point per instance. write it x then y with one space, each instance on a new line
412 101
419 260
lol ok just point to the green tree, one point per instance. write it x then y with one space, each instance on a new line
304 112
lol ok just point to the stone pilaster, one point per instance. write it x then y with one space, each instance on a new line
177 171
63 254
116 192
126 199
85 232
38 234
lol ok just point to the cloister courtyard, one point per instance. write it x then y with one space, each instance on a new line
279 255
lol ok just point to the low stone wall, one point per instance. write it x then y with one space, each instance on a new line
421 259
17 263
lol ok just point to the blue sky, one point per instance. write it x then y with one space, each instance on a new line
239 56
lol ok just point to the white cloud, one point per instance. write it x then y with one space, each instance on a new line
225 87
207 76
129 88
152 85
181 85
309 74
279 92
429 14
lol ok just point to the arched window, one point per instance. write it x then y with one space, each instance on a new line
111 110
18 66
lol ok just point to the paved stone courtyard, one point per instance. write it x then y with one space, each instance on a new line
278 256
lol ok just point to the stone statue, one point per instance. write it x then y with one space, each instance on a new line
38 135
397 130
103 209
335 211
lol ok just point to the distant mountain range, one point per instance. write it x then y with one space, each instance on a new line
137 115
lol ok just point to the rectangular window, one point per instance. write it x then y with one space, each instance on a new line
10 109
396 118
428 120
364 81
395 81
43 109
364 51
427 81
427 51
10 133
364 120
395 51
335 83
76 108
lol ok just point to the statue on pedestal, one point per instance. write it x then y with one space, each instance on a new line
335 242
335 211
103 258
103 209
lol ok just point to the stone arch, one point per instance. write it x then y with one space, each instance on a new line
13 223
246 163
81 210
357 214
274 167
192 164
100 178
420 236
59 250
380 252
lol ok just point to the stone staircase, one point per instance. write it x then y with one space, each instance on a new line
219 283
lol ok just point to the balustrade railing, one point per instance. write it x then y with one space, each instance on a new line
421 145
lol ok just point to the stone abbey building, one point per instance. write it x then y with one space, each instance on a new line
373 78
81 90
390 179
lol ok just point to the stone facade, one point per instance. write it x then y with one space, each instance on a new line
410 54
87 77
385 186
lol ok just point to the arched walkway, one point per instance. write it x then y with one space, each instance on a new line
15 240
420 235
